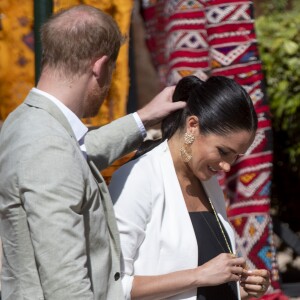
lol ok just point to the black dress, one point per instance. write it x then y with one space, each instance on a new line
212 242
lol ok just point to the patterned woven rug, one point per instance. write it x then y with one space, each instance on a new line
217 37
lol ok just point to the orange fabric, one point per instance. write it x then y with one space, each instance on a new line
17 55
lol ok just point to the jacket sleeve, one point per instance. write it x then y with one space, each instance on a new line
112 141
130 189
52 186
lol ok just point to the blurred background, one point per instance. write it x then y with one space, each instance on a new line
277 24
138 77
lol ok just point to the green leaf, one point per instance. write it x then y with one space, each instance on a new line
290 47
278 36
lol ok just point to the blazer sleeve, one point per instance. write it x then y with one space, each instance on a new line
52 186
130 189
112 141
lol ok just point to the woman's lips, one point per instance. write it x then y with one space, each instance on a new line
212 169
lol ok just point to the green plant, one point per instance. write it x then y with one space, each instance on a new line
274 5
279 44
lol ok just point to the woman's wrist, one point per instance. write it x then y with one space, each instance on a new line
198 278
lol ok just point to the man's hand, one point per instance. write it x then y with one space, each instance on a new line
159 107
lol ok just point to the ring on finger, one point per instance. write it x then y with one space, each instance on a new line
263 287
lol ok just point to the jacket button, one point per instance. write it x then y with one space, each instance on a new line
117 276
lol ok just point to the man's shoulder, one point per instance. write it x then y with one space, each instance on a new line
28 128
31 120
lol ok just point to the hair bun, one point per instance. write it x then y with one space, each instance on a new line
185 86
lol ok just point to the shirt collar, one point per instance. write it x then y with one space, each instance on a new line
77 126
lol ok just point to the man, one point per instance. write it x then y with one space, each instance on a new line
59 235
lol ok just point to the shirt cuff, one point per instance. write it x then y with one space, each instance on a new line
140 124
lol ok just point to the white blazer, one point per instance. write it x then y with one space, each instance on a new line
157 235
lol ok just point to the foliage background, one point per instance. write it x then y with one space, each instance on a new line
278 33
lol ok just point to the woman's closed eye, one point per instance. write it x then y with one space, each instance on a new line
227 156
223 152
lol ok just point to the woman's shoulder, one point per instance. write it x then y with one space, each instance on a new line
158 148
137 178
145 167
150 158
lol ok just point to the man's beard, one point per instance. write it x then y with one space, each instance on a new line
94 100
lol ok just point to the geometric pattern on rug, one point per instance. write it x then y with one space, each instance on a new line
217 37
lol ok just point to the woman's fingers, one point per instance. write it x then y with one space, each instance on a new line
237 270
255 282
259 272
238 261
223 268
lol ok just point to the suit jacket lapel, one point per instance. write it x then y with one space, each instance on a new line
108 207
39 101
173 195
215 193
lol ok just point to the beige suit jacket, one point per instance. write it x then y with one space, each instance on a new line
57 225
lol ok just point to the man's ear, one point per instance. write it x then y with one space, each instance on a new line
100 69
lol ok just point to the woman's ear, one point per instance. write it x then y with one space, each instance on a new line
192 124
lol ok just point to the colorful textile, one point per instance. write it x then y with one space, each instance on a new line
17 55
217 37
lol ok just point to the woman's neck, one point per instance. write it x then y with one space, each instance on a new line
182 169
192 189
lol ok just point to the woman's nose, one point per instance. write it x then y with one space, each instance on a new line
225 166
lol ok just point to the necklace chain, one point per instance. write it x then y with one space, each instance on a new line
221 228
213 232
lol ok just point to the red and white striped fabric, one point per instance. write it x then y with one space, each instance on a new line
217 37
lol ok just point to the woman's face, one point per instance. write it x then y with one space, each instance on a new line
212 153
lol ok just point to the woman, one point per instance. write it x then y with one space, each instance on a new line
175 237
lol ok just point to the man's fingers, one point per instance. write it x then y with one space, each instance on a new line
178 105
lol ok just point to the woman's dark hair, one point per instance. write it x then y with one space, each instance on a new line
220 103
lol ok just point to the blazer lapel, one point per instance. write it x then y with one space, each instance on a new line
108 207
39 101
174 198
215 193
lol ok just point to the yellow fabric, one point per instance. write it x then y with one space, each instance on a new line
17 59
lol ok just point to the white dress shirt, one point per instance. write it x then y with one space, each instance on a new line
76 124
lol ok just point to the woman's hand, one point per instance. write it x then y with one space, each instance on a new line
221 269
255 282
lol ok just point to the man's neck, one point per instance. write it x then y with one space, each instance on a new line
70 92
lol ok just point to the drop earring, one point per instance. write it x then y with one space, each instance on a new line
186 150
